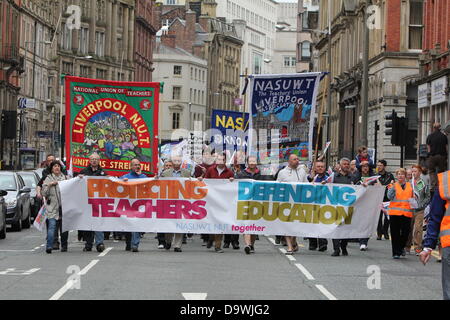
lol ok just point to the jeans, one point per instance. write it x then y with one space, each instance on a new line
133 239
364 241
90 235
52 227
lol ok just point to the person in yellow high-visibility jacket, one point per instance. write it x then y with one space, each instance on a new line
439 227
400 212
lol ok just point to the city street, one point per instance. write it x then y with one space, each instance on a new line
27 272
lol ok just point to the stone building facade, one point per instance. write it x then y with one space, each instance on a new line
394 47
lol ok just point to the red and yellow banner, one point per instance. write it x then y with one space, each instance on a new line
117 120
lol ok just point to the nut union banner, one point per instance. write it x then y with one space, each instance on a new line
118 120
177 205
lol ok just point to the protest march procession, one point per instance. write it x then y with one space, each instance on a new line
118 180
224 149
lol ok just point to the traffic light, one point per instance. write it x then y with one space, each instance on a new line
392 127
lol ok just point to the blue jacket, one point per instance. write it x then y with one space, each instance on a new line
437 212
132 175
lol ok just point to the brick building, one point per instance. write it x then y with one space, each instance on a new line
144 39
434 76
11 66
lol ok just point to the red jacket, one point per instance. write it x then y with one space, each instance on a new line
212 173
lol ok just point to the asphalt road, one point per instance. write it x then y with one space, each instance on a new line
27 272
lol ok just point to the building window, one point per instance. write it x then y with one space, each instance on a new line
289 62
175 120
84 40
177 70
66 38
100 44
176 95
415 24
67 68
101 74
306 50
85 71
257 63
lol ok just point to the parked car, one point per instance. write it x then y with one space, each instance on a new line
2 214
17 200
31 180
39 172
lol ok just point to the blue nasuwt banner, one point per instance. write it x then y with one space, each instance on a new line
286 103
230 130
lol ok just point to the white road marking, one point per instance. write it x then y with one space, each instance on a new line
291 258
325 292
271 240
304 271
283 250
195 296
70 283
88 267
17 250
104 253
63 290
14 272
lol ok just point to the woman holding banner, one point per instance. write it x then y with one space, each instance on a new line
400 212
50 190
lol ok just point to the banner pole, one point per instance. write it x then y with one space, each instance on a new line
319 123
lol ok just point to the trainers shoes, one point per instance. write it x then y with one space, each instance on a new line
101 247
363 247
218 250
247 249
160 246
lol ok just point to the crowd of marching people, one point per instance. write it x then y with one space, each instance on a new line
401 220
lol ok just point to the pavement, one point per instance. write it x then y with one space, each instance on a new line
197 273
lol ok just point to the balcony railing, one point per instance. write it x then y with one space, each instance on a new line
9 53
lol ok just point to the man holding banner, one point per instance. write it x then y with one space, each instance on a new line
133 238
293 173
176 171
220 171
342 177
93 170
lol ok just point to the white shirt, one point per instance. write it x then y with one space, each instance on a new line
293 175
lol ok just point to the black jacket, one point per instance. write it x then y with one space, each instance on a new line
341 179
90 173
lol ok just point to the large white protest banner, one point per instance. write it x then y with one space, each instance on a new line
219 206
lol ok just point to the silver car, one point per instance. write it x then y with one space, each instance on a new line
18 212
2 214
31 180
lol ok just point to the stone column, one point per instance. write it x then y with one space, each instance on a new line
92 34
125 35
131 35
108 28
114 50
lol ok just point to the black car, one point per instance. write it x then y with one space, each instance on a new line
2 214
31 180
18 212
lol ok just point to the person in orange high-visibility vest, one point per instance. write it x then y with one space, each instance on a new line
439 227
400 212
